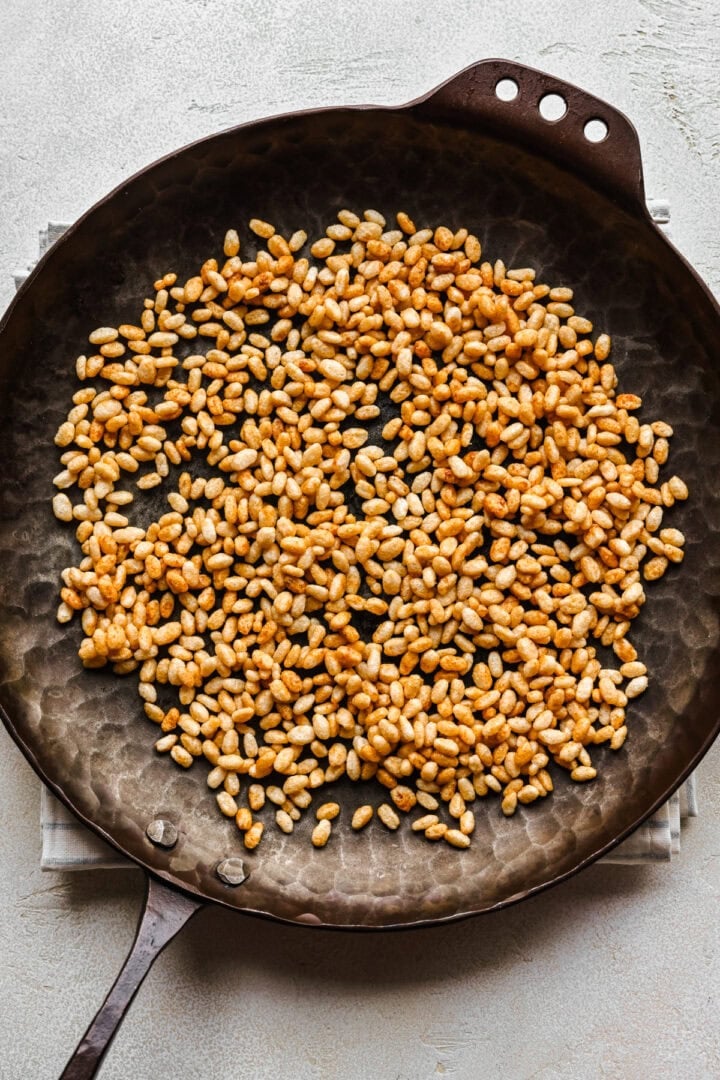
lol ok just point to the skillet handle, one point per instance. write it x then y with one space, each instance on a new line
164 914
614 164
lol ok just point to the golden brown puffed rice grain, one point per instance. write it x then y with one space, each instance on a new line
507 510
362 817
321 833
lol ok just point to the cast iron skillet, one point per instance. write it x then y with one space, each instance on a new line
537 194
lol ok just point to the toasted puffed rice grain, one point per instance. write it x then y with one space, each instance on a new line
427 801
231 245
321 833
227 804
256 797
62 507
456 838
166 743
181 756
262 228
636 686
388 816
362 817
284 821
425 822
103 335
253 836
583 772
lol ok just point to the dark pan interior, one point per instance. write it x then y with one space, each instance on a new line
86 731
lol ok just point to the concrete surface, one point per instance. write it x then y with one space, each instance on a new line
615 975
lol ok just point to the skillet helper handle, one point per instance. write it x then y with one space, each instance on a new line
164 915
613 164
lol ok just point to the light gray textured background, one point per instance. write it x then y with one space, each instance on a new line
615 975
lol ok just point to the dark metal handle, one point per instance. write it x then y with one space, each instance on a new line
165 913
614 164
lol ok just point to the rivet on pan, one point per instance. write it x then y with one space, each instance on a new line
162 832
231 871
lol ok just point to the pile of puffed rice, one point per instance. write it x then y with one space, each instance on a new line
405 505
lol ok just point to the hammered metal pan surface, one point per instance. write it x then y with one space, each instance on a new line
460 158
